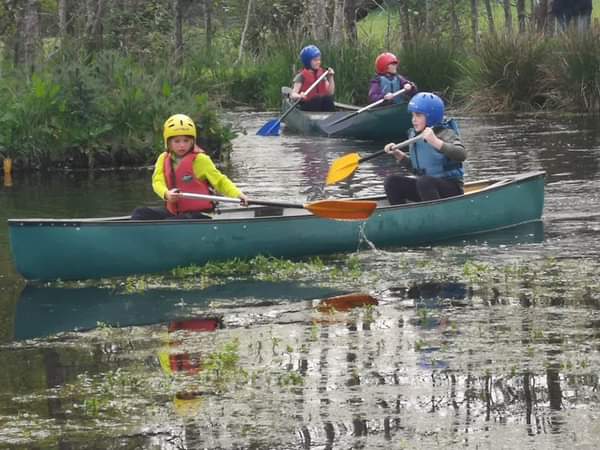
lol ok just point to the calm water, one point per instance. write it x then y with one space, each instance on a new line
487 343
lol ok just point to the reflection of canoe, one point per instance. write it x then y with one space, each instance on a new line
385 123
46 311
91 248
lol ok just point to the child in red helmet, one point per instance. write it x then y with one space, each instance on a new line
388 81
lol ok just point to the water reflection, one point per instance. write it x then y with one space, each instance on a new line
431 364
43 311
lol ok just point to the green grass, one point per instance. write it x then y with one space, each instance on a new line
376 24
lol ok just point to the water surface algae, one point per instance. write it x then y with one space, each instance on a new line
494 352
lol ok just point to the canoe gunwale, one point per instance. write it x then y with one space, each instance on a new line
497 184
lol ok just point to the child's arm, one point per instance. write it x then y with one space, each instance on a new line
447 142
204 169
297 85
330 81
375 93
411 89
159 181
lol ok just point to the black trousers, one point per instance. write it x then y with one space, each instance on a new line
161 213
399 189
324 103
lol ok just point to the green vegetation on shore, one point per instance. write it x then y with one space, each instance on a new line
84 106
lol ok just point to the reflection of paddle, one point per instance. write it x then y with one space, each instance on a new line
345 166
329 209
271 128
331 127
346 302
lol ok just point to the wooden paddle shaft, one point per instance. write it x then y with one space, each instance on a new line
216 198
396 147
379 102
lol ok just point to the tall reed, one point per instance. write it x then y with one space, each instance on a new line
506 74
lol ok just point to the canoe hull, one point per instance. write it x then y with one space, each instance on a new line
386 123
47 249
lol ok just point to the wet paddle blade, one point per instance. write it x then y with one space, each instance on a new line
342 168
346 302
342 209
271 128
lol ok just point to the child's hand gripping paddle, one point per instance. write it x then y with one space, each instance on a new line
346 165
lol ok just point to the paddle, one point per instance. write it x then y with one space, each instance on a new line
345 166
346 302
329 209
331 127
271 128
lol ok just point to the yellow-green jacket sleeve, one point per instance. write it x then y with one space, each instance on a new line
204 169
159 181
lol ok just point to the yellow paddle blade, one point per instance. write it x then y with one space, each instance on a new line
342 168
346 302
342 209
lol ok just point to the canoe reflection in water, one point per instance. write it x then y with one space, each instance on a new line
43 311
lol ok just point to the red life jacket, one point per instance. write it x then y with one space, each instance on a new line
310 76
183 179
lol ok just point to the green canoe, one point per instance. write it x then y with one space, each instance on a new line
47 249
385 123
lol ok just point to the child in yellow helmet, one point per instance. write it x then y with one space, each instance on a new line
184 167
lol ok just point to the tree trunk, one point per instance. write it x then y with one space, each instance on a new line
93 27
405 19
456 35
63 13
208 29
178 30
475 22
521 15
350 20
428 27
508 16
337 36
317 16
244 32
541 13
28 39
490 16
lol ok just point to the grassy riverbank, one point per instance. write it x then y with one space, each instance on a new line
107 109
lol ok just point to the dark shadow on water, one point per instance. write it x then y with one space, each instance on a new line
43 311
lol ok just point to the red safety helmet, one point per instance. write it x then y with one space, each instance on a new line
384 60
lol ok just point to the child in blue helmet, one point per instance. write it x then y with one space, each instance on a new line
321 97
436 160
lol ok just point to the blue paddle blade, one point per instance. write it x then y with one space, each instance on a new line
271 128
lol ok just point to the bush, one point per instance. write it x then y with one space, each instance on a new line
573 81
506 74
108 110
432 64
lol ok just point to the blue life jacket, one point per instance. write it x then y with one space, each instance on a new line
426 160
390 85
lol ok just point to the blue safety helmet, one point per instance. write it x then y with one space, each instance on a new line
308 53
430 105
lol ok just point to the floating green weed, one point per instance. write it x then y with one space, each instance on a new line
221 367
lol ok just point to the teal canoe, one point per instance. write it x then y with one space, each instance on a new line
385 123
47 249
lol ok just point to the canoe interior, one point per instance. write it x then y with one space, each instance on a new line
239 213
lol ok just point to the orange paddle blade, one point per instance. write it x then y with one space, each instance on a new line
346 302
342 209
342 168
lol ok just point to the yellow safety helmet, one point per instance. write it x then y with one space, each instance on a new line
178 125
